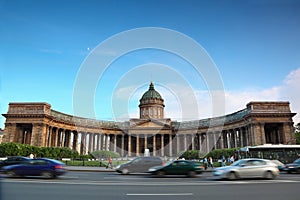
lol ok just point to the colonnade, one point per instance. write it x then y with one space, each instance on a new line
159 144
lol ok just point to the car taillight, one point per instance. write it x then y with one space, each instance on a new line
58 166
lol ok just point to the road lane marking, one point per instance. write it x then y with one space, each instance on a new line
161 194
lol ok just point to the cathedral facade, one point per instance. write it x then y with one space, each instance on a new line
258 123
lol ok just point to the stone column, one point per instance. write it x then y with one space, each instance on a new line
71 139
106 142
19 136
222 140
242 137
129 145
184 142
97 135
177 144
162 146
122 145
146 142
170 145
115 143
9 132
49 136
247 136
55 136
199 141
154 145
207 142
193 141
214 140
137 145
288 133
39 134
100 138
63 138
259 133
75 140
235 138
82 144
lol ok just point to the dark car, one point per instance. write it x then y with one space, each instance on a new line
279 164
293 167
139 165
13 160
178 167
47 168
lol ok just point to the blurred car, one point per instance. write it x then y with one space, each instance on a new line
248 168
178 167
139 165
13 160
293 167
45 167
279 164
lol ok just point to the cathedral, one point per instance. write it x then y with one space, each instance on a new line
35 123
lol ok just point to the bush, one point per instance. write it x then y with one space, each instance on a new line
105 154
215 154
16 149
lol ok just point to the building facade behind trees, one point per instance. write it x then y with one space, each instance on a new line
259 123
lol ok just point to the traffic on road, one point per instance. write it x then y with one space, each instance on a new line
88 183
76 185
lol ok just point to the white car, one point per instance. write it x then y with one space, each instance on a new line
248 168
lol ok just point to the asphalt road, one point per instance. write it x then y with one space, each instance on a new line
110 185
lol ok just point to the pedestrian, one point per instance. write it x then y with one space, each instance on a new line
109 164
210 162
231 159
205 162
223 160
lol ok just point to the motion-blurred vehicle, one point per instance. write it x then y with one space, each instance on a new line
178 167
293 167
279 164
139 165
45 167
13 160
248 168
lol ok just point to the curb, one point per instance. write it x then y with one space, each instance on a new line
92 169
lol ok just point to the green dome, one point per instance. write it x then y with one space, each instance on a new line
151 93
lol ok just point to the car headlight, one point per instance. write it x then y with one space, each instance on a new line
117 167
291 167
151 169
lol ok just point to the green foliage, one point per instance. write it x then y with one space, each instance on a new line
190 154
15 149
297 133
105 154
215 154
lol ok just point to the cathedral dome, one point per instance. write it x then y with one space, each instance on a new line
151 104
151 93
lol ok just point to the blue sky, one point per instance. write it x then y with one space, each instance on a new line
255 46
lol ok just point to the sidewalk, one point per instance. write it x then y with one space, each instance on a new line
102 169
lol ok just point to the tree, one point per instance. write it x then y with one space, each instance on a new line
297 133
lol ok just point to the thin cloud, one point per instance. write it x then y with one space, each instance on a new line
237 100
234 100
52 51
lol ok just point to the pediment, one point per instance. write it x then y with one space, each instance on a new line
149 123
